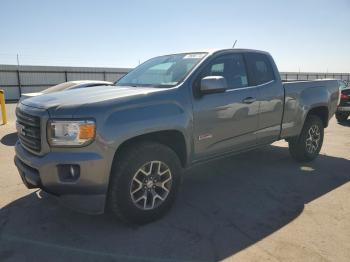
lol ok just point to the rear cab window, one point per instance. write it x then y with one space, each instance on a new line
259 67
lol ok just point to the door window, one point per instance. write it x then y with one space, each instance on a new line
231 67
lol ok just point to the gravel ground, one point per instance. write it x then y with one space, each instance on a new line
256 206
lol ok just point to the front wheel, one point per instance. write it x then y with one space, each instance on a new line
341 117
144 182
307 145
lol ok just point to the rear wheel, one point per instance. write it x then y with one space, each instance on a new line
342 117
144 182
307 145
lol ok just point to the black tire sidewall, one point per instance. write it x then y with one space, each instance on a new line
124 172
341 117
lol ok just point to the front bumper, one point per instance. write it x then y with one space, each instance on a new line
85 194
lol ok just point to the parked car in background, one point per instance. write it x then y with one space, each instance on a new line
124 147
343 110
67 86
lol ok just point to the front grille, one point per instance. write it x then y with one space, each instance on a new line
28 128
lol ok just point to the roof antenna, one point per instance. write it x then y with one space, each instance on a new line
234 44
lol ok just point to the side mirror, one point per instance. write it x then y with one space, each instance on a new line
213 84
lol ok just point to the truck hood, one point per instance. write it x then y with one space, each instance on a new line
28 95
77 97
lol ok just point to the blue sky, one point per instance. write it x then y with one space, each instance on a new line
308 35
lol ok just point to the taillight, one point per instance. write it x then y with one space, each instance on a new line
344 97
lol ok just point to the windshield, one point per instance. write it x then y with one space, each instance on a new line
163 71
59 87
343 85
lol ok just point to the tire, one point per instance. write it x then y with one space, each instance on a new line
341 117
144 161
304 148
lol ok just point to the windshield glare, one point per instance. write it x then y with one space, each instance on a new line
163 71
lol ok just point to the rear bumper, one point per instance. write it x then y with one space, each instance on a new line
344 106
341 109
86 194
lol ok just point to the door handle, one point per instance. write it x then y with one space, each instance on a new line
248 100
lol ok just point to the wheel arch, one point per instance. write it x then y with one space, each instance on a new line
320 111
174 139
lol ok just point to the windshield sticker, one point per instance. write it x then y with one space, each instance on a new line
193 56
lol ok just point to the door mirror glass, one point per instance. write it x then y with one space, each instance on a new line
213 84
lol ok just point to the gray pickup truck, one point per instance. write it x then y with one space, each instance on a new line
124 147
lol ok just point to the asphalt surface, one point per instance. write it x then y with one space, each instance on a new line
258 206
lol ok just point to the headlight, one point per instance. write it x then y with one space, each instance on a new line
71 133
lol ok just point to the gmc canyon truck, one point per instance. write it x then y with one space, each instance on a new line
124 147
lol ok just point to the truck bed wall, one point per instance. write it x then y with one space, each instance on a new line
301 97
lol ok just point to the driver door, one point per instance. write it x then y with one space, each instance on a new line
226 121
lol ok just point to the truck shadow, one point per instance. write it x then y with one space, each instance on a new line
9 139
345 123
223 207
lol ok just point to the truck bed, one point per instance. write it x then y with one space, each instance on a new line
300 95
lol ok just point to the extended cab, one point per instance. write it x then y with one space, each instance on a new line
124 147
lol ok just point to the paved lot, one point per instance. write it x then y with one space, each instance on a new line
254 207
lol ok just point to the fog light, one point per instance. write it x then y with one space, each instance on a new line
68 173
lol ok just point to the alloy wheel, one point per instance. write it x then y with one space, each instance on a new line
151 185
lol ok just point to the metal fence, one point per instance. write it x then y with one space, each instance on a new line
300 76
25 79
